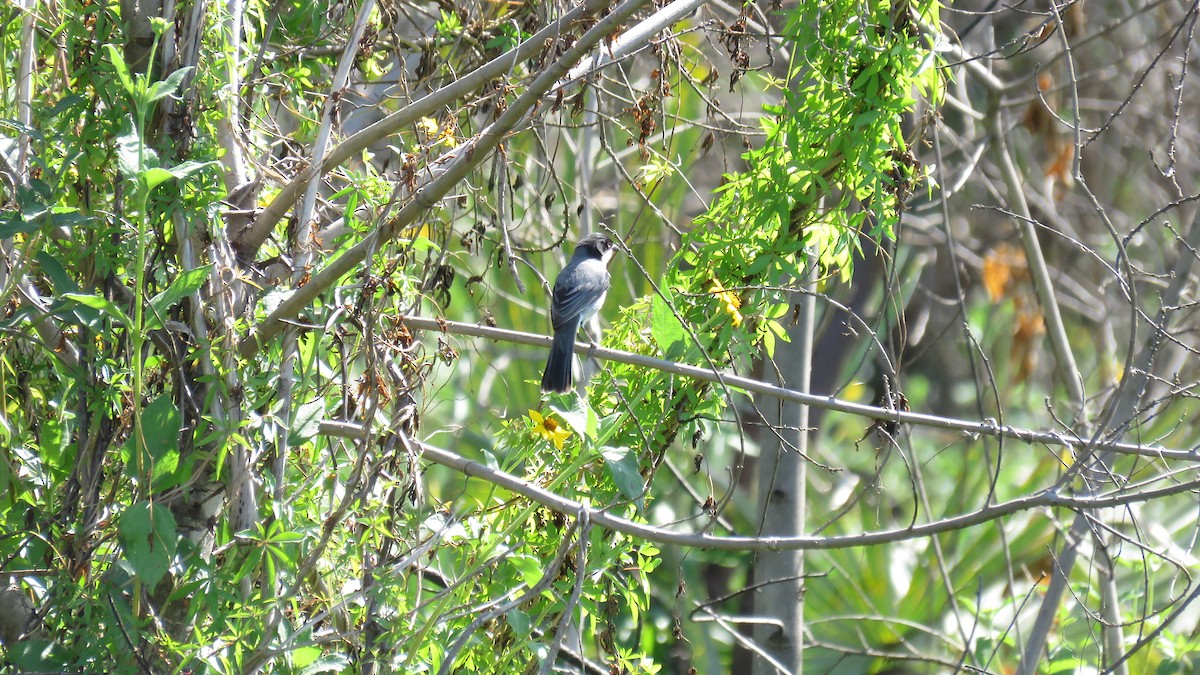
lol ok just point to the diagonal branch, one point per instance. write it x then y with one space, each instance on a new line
249 241
465 158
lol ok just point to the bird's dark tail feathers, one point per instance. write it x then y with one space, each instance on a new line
558 366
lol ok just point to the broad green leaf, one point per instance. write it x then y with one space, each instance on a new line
306 422
303 656
156 176
66 216
581 418
118 62
57 450
132 157
528 566
518 621
622 465
103 305
38 655
184 285
665 327
164 88
11 223
147 532
160 426
165 466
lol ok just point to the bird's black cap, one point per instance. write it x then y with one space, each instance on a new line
596 244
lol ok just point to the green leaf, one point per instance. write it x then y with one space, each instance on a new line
330 663
665 327
164 88
10 486
132 157
62 282
529 567
34 214
38 655
518 621
16 126
160 426
66 216
11 223
1168 667
118 62
147 532
64 285
303 656
581 418
306 422
606 427
156 176
103 305
165 467
285 537
67 103
184 285
622 465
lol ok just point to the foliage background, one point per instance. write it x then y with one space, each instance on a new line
255 417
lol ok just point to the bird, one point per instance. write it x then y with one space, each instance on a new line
578 294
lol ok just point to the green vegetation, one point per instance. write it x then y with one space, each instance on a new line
257 413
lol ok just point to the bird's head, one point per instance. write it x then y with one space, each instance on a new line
596 246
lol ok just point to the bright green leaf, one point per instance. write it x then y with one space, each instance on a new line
306 422
118 62
147 532
529 567
665 327
163 89
303 656
184 285
623 466
155 176
103 305
160 426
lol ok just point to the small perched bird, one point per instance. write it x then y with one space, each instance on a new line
578 294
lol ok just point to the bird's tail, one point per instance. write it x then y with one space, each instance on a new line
557 376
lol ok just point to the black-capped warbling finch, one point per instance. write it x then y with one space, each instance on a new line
578 294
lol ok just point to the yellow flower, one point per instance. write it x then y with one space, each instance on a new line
438 135
428 126
730 299
549 429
